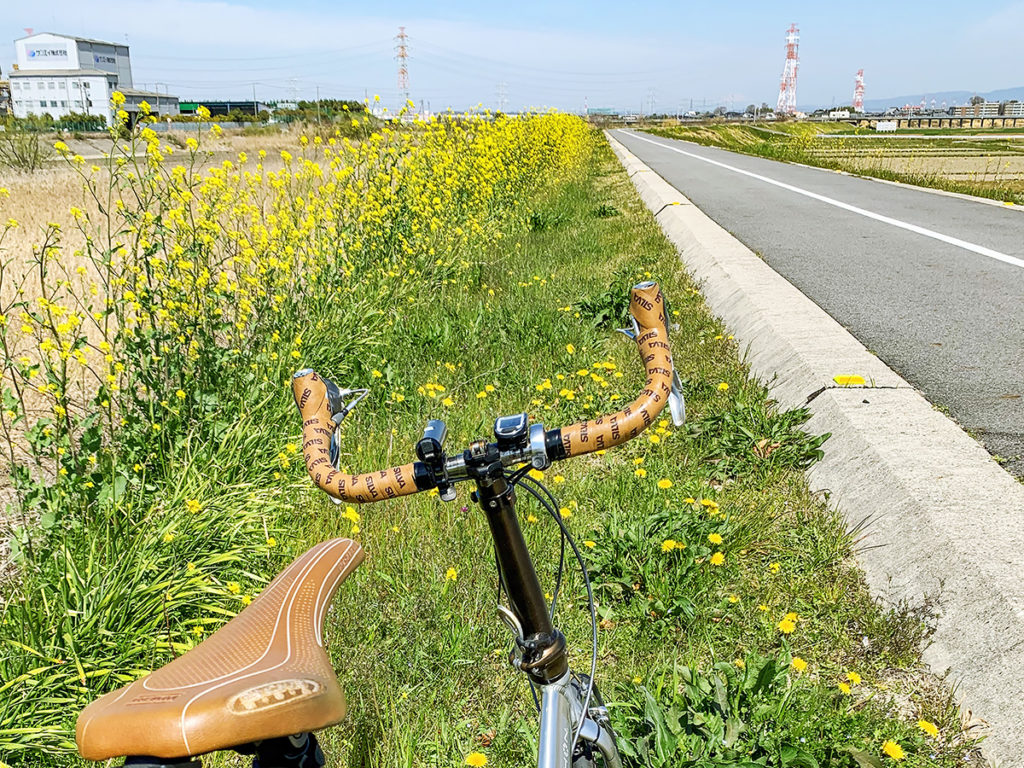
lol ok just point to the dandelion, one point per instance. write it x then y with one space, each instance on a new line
565 512
722 387
476 759
351 514
180 394
689 500
787 626
536 474
451 574
664 483
447 402
234 587
844 689
637 681
928 727
668 545
893 750
531 518
798 664
740 663
715 538
734 599
246 599
774 567
718 558
589 544
191 505
271 541
854 678
570 349
640 472
168 537
558 479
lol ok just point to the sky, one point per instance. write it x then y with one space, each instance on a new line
534 54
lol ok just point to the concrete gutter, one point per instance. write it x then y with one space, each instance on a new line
941 521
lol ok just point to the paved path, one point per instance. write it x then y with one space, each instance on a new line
933 284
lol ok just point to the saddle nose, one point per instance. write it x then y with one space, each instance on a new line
264 674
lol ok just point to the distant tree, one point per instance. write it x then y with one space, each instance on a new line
751 109
719 111
977 100
765 107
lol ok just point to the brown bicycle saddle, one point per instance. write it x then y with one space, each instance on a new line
264 674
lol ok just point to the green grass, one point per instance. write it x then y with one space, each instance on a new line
422 658
873 155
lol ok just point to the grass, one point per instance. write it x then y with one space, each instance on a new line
991 168
693 661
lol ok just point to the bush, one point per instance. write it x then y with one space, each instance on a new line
23 150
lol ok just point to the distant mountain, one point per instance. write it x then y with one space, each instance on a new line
951 98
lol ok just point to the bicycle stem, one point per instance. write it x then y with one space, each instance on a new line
544 655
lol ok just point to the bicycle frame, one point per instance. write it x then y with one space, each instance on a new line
562 702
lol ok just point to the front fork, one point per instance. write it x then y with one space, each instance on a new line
561 711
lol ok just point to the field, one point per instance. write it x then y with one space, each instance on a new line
461 270
987 165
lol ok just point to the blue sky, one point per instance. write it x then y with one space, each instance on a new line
547 54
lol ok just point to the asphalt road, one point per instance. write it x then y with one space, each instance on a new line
932 284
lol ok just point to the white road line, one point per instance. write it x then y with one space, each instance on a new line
980 249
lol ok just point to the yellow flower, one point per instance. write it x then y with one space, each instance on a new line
798 664
664 483
774 567
193 506
854 678
180 394
234 587
718 558
451 574
668 545
168 537
740 663
117 98
570 349
531 518
640 472
246 599
638 460
654 439
589 544
930 728
565 512
351 514
715 538
723 387
893 750
271 541
447 402
536 474
787 626
558 479
637 681
734 599
476 759
844 689
481 394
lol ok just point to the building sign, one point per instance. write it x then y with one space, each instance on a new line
104 59
47 54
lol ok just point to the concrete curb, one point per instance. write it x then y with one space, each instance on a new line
941 520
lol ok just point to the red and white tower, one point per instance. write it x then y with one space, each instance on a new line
858 92
402 56
787 87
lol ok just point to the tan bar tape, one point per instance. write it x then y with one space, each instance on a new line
648 308
317 428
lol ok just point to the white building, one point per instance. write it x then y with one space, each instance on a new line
60 74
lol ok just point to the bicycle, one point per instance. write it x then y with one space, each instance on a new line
263 683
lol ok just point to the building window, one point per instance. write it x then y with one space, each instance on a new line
40 85
75 84
64 104
86 84
78 102
15 86
52 85
53 103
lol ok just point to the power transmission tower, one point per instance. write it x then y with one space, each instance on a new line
858 92
402 57
502 95
650 101
787 86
